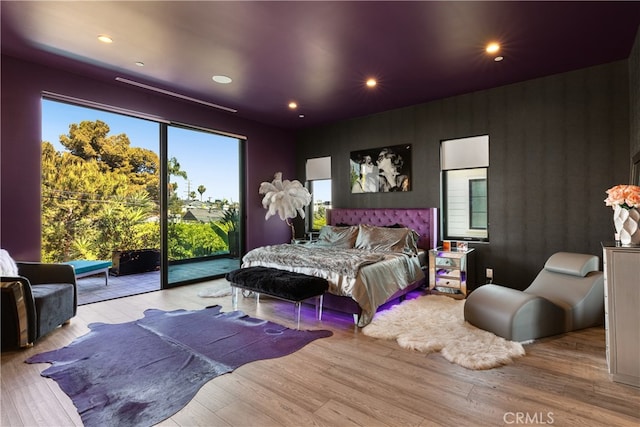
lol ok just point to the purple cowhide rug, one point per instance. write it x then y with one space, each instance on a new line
142 372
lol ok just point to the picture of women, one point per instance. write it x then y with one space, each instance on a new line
389 172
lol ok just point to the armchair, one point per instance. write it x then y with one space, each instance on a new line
36 301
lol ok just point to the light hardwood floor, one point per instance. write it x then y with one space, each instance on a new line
348 379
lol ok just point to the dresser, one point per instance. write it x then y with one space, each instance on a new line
622 312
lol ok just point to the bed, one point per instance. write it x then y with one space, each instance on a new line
368 256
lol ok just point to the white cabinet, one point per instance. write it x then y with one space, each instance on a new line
622 312
450 272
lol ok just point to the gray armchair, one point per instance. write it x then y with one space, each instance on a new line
567 295
38 300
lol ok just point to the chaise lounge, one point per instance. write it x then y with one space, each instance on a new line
567 295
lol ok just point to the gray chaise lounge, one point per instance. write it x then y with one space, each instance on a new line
567 295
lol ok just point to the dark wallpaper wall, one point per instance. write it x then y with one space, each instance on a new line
634 94
556 145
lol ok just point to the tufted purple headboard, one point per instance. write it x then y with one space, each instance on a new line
422 220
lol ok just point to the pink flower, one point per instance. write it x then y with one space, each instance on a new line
626 196
633 198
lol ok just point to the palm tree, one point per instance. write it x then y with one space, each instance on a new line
201 190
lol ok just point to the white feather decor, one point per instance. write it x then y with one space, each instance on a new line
286 198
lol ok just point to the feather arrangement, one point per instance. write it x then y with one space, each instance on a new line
286 198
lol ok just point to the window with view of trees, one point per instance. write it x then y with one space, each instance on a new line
320 201
98 194
101 187
318 177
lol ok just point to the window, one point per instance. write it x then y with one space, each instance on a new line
320 201
478 204
318 174
117 200
464 166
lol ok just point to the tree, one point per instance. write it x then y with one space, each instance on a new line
173 169
98 195
73 191
119 224
89 141
201 190
319 217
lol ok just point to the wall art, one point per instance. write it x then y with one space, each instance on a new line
381 170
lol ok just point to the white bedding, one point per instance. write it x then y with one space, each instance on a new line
369 278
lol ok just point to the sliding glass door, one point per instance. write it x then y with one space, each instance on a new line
144 194
203 204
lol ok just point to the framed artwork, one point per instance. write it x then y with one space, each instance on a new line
381 170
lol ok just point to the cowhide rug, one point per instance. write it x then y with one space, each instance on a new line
142 372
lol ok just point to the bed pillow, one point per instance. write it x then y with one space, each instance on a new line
384 239
338 237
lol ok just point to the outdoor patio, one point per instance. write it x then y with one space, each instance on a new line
92 289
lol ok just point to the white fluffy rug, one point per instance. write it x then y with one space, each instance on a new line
436 323
219 290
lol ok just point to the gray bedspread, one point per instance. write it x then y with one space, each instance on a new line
369 278
346 262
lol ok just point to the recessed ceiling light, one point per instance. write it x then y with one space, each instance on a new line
301 116
493 47
293 105
105 39
140 64
222 79
498 58
371 82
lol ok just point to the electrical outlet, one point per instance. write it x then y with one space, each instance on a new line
489 273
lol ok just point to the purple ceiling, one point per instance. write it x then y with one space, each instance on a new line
319 53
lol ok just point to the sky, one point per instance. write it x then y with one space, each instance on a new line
209 159
199 153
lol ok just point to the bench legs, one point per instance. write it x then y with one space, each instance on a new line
319 301
234 297
235 291
104 271
297 310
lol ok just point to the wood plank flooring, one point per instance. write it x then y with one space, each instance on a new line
348 379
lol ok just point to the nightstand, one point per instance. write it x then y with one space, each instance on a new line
450 272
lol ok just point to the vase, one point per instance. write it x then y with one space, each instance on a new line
627 223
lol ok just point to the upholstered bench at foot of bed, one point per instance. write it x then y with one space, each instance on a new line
281 284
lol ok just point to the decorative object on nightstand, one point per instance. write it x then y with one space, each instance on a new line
286 198
621 302
625 201
451 271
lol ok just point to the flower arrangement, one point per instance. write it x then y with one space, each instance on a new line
286 198
625 196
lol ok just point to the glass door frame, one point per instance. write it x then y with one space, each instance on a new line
164 199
